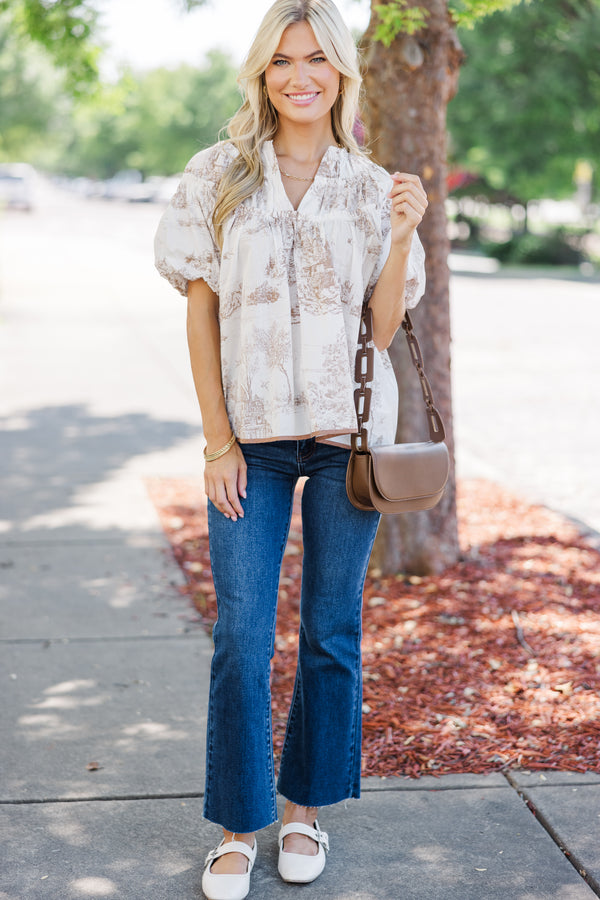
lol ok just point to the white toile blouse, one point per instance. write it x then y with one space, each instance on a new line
291 285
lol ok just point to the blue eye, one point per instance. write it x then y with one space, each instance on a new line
280 62
319 59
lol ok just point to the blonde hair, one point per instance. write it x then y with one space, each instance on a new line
256 120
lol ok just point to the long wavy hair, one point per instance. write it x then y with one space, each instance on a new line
256 120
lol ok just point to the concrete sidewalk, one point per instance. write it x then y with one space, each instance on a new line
103 665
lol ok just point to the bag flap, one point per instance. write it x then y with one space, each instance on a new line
410 471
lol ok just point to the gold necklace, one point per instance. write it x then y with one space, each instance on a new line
288 174
294 177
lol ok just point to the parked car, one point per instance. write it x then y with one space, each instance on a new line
16 186
129 185
164 188
125 185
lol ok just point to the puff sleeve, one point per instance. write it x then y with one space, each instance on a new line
184 246
415 272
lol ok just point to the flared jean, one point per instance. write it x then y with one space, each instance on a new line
321 756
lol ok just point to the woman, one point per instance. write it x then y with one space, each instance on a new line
276 236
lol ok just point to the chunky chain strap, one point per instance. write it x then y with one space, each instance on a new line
363 373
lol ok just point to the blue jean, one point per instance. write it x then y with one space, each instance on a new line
321 757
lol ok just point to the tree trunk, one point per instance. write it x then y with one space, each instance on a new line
408 88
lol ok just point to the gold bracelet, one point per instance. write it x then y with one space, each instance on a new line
210 457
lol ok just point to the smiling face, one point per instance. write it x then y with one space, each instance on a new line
301 83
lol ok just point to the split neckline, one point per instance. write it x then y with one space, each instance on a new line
328 167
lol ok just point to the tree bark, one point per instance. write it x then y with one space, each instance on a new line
408 87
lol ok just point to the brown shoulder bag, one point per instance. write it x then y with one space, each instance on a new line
394 478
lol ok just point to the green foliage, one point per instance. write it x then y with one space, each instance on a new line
65 29
153 122
465 13
557 248
180 111
398 18
29 97
528 104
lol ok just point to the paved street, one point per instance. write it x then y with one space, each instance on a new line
526 377
104 671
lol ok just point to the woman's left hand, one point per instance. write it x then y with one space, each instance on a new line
409 202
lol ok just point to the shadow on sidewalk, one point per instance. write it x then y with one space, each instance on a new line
51 455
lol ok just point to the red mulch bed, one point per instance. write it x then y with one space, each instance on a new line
493 664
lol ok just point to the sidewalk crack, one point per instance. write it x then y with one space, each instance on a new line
577 864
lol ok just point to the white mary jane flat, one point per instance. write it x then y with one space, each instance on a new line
296 867
228 887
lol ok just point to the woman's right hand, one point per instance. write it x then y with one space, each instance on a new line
225 481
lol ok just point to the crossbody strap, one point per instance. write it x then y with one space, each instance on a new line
363 373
